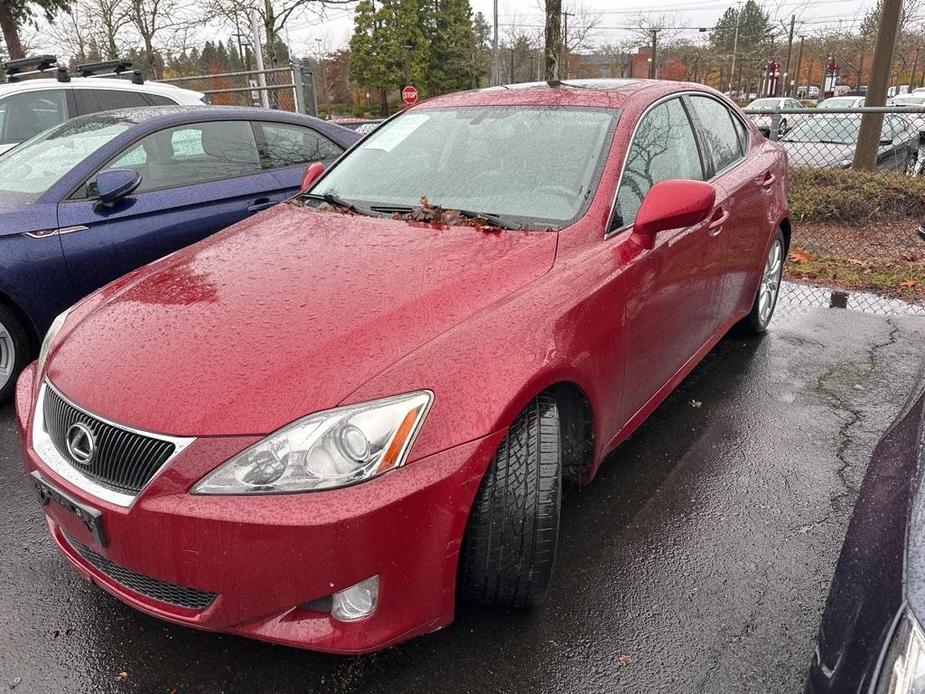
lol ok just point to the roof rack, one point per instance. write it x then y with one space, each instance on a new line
24 67
15 70
110 67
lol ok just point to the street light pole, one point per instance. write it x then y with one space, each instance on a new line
796 82
735 45
793 21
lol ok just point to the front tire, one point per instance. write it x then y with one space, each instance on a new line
510 545
758 319
14 349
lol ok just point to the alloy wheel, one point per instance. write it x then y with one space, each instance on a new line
770 281
7 355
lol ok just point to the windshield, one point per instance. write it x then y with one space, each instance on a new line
30 169
838 102
531 166
765 103
909 100
842 129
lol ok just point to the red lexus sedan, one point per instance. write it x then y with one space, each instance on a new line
323 425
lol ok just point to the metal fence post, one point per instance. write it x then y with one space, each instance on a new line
311 94
775 126
298 88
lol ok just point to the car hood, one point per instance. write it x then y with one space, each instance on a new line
282 315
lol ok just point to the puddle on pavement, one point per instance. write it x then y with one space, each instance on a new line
797 295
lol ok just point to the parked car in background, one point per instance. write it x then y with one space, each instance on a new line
358 405
871 637
842 102
907 100
830 140
34 105
99 195
764 120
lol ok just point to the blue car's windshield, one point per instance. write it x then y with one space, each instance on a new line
30 169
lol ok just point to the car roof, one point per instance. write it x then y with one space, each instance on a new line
97 83
154 117
609 93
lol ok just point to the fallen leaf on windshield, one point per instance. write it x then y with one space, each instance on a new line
798 256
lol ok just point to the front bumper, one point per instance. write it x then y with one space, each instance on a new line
264 556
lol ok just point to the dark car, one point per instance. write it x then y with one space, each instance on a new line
91 199
829 140
870 638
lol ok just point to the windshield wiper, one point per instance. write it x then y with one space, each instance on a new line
490 219
334 201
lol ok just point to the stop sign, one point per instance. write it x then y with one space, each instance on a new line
409 94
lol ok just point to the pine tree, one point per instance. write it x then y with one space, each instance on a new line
452 43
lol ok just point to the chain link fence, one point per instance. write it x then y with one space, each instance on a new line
289 88
858 231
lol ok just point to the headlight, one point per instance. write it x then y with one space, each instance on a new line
904 668
330 449
50 336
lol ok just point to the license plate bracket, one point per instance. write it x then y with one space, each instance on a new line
89 517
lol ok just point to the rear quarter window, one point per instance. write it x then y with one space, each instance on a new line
717 125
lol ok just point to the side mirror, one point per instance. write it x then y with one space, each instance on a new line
312 174
114 184
672 204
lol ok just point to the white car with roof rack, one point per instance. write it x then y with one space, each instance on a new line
30 106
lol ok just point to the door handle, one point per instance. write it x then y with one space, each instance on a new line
768 180
260 204
715 227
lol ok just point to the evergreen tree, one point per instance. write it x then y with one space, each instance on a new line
451 48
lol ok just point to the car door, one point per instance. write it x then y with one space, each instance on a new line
743 180
195 180
25 114
672 288
286 149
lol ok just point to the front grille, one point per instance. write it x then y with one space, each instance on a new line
123 460
180 596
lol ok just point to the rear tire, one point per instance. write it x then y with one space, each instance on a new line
14 351
758 319
510 544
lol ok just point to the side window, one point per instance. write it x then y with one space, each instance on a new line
663 147
742 133
288 145
158 100
26 114
189 154
716 124
95 100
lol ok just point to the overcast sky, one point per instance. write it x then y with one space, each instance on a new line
614 17
309 34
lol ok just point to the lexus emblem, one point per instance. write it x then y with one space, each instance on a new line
81 443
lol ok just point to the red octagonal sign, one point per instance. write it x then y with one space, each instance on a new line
409 94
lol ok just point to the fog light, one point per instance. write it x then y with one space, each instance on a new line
356 602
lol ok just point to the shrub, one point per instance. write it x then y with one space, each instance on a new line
854 197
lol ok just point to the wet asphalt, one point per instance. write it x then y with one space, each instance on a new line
698 560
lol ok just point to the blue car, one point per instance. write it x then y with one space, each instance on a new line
91 199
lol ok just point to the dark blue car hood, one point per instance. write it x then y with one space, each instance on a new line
21 219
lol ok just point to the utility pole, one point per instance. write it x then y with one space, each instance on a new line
735 44
915 63
258 55
512 65
565 15
653 55
553 40
495 55
796 81
865 156
785 81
